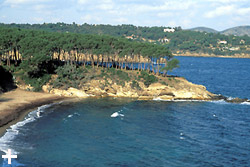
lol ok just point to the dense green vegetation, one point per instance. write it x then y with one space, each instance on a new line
35 55
170 66
148 79
120 30
181 41
77 76
69 76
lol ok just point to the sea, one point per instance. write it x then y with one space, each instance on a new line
123 132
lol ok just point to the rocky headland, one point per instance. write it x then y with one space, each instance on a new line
168 88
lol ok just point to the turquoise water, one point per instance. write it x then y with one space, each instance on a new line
144 133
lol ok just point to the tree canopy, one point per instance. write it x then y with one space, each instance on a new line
37 54
180 41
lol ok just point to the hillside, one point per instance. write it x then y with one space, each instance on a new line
239 31
34 56
180 42
203 29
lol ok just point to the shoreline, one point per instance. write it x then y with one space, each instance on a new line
16 104
206 55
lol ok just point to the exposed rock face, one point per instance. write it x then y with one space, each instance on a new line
71 92
182 89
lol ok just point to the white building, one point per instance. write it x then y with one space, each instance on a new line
222 42
169 30
242 41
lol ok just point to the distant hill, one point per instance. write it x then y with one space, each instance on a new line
239 31
204 29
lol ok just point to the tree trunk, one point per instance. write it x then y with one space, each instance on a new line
149 64
158 67
117 63
138 64
97 61
102 60
107 64
15 55
8 60
70 58
112 60
92 61
122 63
0 59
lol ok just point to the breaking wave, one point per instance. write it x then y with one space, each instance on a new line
13 130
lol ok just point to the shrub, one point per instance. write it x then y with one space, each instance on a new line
37 83
148 79
123 75
172 64
69 76
135 85
164 83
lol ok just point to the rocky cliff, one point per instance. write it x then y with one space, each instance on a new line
168 88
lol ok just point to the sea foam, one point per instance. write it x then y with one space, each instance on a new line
117 114
245 103
13 131
219 101
181 100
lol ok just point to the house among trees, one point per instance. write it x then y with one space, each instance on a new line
242 41
163 40
222 42
169 30
129 37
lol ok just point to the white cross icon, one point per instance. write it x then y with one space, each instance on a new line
9 156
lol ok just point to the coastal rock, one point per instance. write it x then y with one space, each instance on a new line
174 88
145 98
70 92
166 92
166 97
110 91
156 86
236 100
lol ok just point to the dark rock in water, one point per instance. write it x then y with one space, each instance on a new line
219 97
236 100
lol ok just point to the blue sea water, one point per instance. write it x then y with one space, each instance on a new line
143 133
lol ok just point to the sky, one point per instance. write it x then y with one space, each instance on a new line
216 14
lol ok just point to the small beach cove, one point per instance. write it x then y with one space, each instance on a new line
16 104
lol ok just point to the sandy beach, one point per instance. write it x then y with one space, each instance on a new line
14 105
